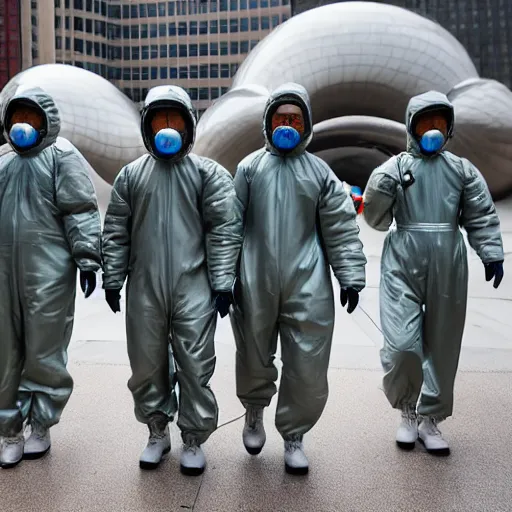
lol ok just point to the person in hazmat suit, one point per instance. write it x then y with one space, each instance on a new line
49 227
298 221
174 229
428 192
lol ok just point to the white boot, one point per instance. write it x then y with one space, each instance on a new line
295 460
38 443
407 433
159 443
430 436
254 436
193 461
11 451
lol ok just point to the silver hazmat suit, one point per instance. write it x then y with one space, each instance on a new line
174 229
49 226
424 270
298 220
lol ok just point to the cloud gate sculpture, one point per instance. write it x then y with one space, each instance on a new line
359 61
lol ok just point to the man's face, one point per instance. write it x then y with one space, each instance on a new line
289 115
431 121
27 115
168 118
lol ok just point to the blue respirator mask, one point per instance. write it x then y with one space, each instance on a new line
23 135
432 141
285 138
168 141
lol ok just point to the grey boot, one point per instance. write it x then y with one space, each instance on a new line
38 443
407 433
430 436
253 435
11 451
193 461
159 443
295 460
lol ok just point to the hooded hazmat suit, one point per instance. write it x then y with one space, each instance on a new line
49 226
424 270
174 229
298 220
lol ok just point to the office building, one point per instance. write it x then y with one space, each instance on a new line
484 27
10 40
137 45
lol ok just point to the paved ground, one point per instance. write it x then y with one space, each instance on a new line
355 467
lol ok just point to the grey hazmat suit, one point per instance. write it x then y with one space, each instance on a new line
424 270
298 220
49 226
174 229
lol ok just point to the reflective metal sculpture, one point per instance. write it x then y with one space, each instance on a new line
359 61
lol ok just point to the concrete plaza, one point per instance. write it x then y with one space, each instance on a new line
354 463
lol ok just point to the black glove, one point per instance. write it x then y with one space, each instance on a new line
351 296
494 269
113 298
222 301
88 282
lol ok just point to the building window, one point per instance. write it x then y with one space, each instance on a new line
224 70
224 90
164 73
264 3
233 25
183 72
253 4
144 30
126 12
234 48
68 43
214 48
78 24
173 73
193 93
193 28
144 52
244 47
214 27
265 23
172 29
284 18
161 10
170 8
214 93
203 27
154 73
223 5
88 47
183 50
88 26
135 74
274 3
255 23
78 4
244 24
233 5
203 71
58 22
214 71
152 10
163 51
223 26
194 72
203 49
192 49
134 31
142 11
58 42
203 93
223 47
145 73
182 28
154 51
173 50
233 69
79 45
153 30
67 22
275 21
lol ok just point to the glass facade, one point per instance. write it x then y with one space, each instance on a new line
197 44
484 27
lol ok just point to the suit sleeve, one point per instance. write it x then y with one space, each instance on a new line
340 234
222 212
76 200
116 234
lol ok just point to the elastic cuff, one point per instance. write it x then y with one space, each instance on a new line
11 422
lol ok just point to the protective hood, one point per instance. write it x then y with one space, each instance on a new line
420 104
293 94
34 97
168 96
